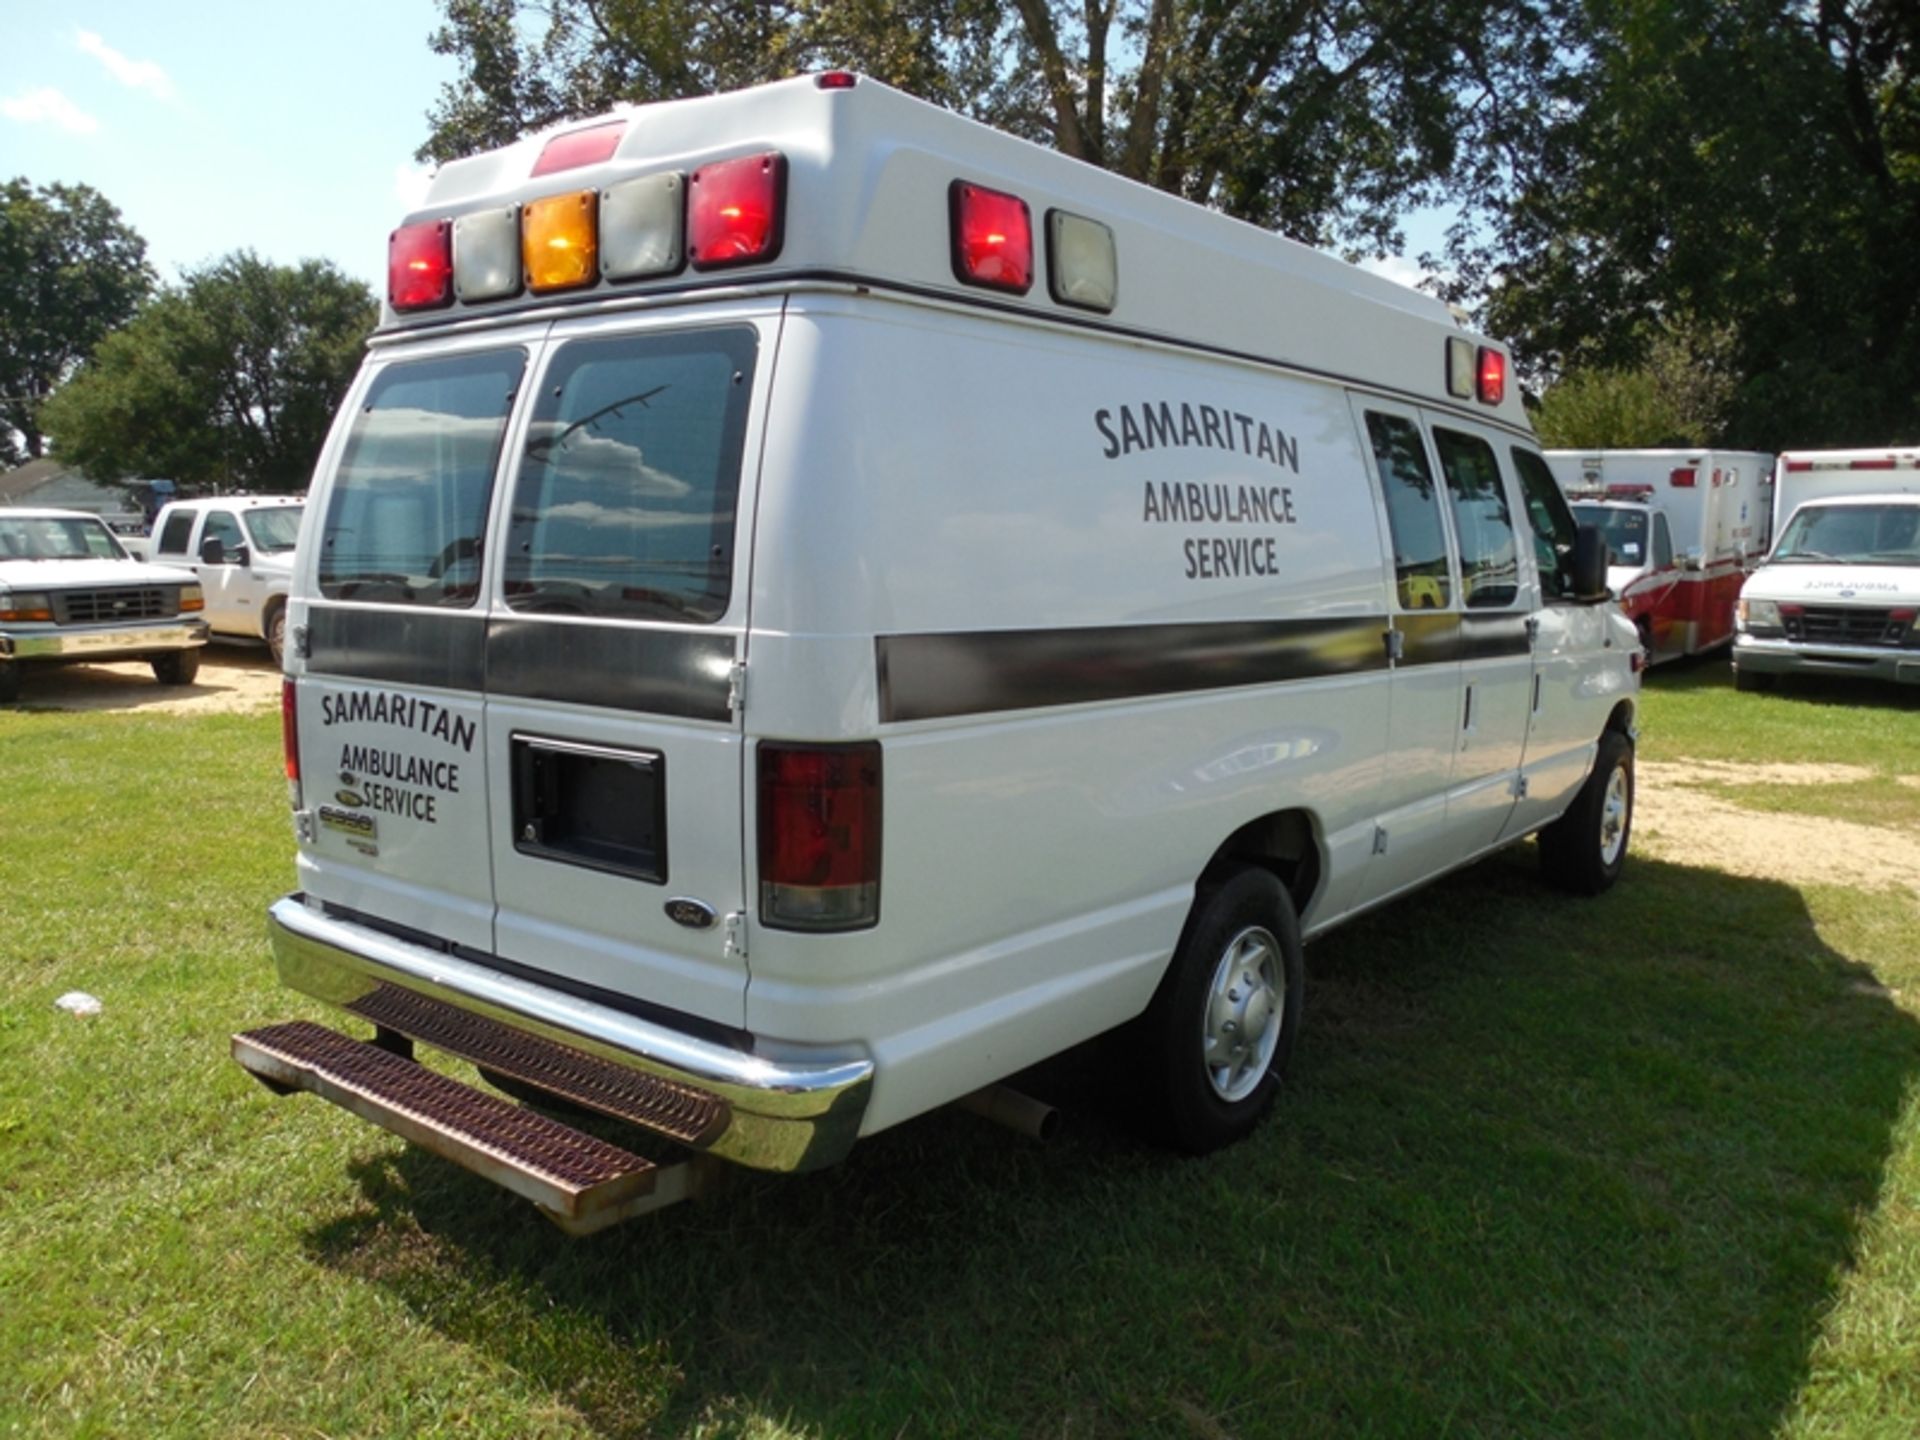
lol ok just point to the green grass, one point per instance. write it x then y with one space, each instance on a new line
1648 1166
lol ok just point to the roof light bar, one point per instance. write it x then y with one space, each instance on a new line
580 147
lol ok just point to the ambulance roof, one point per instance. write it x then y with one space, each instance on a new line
1886 458
867 201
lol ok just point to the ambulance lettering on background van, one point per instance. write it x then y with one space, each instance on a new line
813 606
1684 527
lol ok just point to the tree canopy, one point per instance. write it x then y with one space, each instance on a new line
1323 119
1746 167
227 381
71 271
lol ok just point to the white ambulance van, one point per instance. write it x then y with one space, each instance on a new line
1840 590
1684 529
814 606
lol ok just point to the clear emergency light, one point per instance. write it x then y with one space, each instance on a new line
486 254
992 238
1459 368
1082 268
640 227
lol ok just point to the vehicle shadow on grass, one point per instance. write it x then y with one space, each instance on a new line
1543 1167
232 676
1702 673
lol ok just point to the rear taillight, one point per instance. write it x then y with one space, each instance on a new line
819 836
290 738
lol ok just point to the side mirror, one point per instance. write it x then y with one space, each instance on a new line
1589 564
212 552
1693 558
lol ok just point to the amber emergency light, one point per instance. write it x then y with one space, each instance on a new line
558 244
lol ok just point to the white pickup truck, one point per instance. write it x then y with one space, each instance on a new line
69 593
241 547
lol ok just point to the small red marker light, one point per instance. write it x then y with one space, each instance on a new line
580 147
836 79
420 266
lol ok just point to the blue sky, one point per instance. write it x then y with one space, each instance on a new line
217 125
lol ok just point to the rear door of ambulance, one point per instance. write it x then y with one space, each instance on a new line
529 596
618 562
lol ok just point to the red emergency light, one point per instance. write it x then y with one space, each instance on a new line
1885 464
992 238
1491 374
736 211
420 266
580 147
1684 478
836 80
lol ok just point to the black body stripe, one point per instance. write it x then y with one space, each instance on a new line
1428 637
1485 637
398 646
926 677
617 667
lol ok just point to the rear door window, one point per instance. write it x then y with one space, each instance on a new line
1413 512
1552 521
407 516
1489 559
624 506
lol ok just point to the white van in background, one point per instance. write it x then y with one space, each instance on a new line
1685 528
1840 590
814 606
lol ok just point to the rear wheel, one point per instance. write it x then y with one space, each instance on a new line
1221 1027
177 667
1585 849
277 633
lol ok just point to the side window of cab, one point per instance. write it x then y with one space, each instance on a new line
177 532
1489 556
222 526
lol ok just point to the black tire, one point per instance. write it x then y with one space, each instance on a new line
1586 848
9 682
276 633
1245 917
1750 682
1645 627
176 667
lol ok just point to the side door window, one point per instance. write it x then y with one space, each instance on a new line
178 531
1551 519
1489 555
1422 576
222 526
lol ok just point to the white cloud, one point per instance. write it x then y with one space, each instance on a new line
134 74
48 106
410 184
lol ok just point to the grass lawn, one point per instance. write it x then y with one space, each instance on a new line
1647 1166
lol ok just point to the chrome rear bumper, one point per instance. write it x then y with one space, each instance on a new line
794 1113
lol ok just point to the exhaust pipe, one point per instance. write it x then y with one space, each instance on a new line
1032 1118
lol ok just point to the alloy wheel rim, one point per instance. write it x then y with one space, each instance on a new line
1613 816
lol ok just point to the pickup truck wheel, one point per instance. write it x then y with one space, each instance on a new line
1221 1027
1750 681
277 633
1584 850
9 682
177 667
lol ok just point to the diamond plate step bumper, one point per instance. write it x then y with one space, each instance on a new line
582 1183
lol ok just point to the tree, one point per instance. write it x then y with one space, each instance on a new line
1323 119
1677 397
71 272
1747 166
227 382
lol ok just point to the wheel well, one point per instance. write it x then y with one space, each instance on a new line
1622 718
1285 842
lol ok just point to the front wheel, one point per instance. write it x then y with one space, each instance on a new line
1585 849
1221 1027
176 667
277 635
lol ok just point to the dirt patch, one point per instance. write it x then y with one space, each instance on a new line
1678 817
233 680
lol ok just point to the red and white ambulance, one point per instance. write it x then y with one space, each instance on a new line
1686 528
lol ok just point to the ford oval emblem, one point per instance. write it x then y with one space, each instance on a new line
694 914
1846 594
